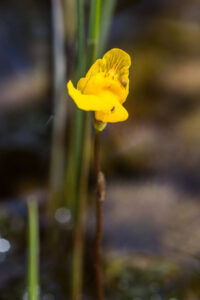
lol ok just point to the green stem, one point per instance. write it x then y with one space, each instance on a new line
94 25
75 153
78 201
108 8
58 151
82 147
33 250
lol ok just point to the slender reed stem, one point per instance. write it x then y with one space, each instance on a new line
94 26
33 250
78 198
58 151
82 142
108 8
100 185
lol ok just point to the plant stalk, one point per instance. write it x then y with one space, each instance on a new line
33 250
58 152
93 45
100 186
108 8
82 142
94 27
77 155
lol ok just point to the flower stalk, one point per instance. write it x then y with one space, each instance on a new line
100 195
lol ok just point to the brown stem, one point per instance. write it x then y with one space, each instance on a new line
100 184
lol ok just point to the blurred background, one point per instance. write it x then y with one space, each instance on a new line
152 161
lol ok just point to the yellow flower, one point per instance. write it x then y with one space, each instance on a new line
105 87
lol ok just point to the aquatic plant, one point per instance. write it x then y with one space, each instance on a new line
103 90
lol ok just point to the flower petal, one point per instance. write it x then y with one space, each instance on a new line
111 72
117 114
104 101
96 68
118 61
100 83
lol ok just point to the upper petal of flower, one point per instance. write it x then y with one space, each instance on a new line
95 69
118 61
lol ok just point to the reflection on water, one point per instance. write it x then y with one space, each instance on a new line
63 215
4 245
